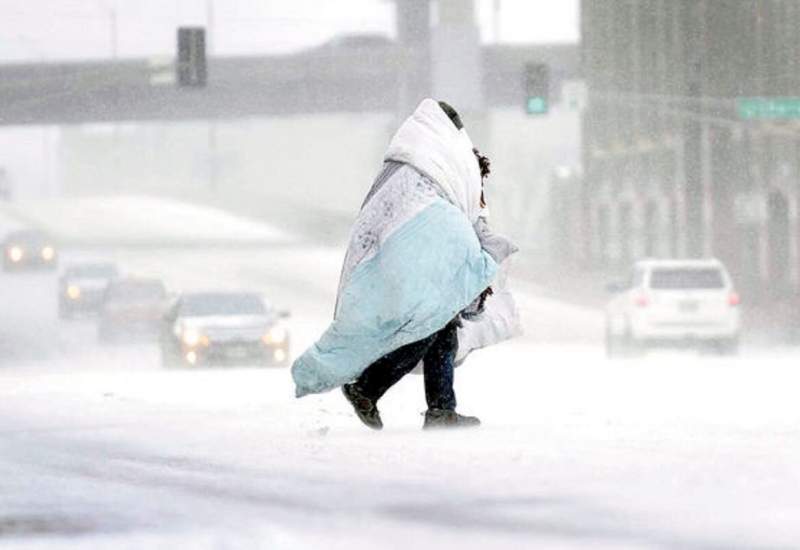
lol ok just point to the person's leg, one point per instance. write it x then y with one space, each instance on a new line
363 394
439 362
439 370
389 369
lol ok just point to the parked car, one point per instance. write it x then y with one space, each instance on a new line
132 309
29 249
674 303
209 328
81 288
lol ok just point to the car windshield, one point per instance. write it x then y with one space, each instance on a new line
98 271
222 304
137 292
686 278
33 237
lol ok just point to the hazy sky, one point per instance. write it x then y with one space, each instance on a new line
59 29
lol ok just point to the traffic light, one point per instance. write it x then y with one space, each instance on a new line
537 88
192 69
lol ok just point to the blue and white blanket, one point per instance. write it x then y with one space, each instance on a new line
415 259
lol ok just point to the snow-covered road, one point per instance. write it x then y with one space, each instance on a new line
678 452
100 448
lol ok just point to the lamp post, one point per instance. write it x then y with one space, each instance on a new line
112 12
213 176
210 20
496 21
46 146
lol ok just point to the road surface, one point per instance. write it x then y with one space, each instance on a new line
101 448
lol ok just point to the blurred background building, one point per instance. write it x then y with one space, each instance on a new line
690 140
121 125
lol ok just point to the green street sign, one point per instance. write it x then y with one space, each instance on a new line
537 106
768 108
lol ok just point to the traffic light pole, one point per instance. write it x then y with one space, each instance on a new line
694 132
213 175
414 36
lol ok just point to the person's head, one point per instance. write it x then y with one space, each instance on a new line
483 161
435 142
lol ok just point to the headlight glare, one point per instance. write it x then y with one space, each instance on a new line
275 335
191 337
15 253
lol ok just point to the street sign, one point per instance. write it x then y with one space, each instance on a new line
768 108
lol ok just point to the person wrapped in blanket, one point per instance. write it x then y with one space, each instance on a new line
423 281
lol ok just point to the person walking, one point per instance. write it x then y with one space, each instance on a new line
417 276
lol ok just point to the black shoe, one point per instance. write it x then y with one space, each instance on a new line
442 418
365 408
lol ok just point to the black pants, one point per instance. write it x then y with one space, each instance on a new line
438 355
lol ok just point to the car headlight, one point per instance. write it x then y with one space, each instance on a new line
15 253
191 337
275 335
48 253
73 292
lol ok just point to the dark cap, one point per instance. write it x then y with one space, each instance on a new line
452 114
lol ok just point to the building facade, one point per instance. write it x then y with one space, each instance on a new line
672 167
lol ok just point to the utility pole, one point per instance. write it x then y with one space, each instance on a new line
496 21
210 21
114 56
414 36
113 20
46 145
695 132
114 31
213 175
457 65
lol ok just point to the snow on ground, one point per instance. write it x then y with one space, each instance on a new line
574 452
139 220
101 448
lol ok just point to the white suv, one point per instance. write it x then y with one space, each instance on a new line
674 302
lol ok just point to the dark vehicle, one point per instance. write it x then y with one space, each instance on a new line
29 249
132 309
223 328
82 287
